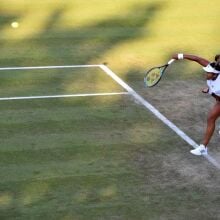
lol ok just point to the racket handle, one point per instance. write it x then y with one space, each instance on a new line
172 60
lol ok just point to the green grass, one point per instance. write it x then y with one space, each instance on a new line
78 164
56 82
79 32
78 160
107 158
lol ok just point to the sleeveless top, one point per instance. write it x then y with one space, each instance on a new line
214 86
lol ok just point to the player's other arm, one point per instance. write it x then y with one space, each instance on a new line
199 60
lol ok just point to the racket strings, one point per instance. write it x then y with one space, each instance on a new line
153 76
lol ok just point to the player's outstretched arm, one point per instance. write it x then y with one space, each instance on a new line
195 58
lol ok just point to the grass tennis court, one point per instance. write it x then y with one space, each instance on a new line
105 157
94 157
74 158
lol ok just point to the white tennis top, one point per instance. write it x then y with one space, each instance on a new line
214 86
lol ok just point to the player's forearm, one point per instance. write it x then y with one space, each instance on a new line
197 59
194 58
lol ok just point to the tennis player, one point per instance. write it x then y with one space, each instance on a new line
212 70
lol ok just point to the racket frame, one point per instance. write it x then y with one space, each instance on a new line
162 70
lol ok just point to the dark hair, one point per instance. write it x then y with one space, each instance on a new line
217 57
215 65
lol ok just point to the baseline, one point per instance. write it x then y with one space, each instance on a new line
46 67
55 96
62 96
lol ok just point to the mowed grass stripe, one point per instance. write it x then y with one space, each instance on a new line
73 195
85 173
62 81
94 167
31 148
47 140
62 118
32 160
96 138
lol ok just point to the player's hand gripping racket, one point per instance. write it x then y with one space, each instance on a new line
154 75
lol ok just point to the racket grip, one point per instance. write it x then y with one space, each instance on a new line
172 60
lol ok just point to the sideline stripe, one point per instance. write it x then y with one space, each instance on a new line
63 96
157 113
46 67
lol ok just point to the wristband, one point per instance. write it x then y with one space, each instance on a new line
180 56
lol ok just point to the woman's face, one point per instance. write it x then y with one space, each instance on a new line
211 76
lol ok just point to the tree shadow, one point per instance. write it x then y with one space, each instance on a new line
82 45
78 45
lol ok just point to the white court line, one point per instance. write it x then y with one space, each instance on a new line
126 87
63 96
46 67
157 113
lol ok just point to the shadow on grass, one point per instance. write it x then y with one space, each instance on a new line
75 46
81 45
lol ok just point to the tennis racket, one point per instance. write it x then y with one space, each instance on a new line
154 75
